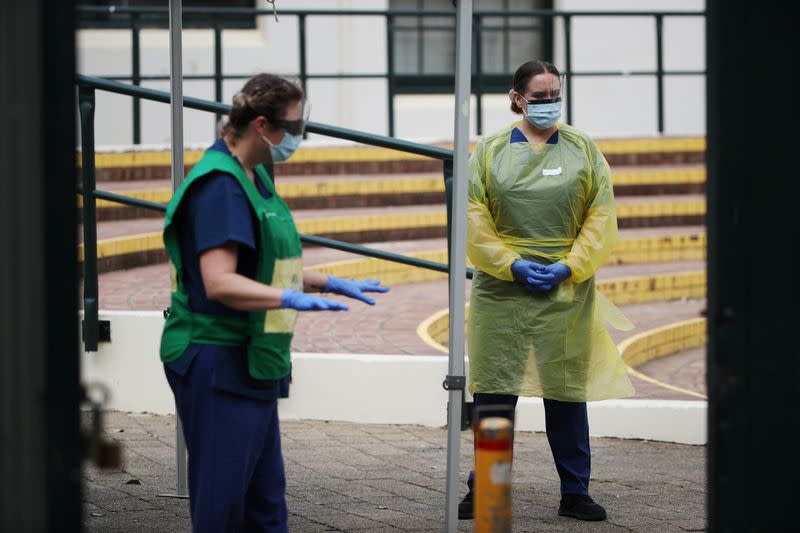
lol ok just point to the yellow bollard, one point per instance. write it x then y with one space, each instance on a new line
493 452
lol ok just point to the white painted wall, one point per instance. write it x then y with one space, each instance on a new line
602 106
372 389
625 106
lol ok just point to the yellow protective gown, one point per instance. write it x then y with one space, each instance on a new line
546 203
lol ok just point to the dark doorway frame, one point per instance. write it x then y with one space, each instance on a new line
40 453
753 360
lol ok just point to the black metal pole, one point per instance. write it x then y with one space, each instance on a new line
217 70
568 64
301 30
447 170
660 70
136 76
301 23
390 72
478 87
90 290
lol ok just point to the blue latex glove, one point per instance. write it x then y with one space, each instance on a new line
560 271
532 275
302 301
354 288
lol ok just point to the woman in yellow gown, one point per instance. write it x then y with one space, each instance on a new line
541 221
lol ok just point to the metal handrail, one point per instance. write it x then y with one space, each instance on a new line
483 81
306 238
86 89
312 127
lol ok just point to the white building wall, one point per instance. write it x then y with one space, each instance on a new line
622 106
602 106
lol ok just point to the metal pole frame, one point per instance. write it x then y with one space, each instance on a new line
660 72
217 70
91 334
136 76
176 108
390 67
455 380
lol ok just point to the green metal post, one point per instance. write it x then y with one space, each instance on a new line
390 72
301 27
660 70
136 76
301 22
217 70
478 89
568 64
90 290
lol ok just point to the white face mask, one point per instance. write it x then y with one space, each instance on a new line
544 116
284 149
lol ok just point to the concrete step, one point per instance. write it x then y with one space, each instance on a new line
336 192
129 244
135 164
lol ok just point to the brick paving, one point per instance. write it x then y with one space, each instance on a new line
388 478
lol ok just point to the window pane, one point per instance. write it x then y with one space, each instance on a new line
437 5
521 5
117 20
406 22
404 4
490 5
492 52
406 51
439 54
524 46
505 42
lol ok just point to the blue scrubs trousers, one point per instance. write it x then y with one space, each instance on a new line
236 474
567 426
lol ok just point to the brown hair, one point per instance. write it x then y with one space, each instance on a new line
264 94
523 75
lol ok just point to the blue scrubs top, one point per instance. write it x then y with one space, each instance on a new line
518 137
215 211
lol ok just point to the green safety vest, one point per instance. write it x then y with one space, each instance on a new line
267 335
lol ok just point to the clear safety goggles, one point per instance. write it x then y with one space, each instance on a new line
295 127
555 94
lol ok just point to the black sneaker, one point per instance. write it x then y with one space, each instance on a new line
465 508
582 507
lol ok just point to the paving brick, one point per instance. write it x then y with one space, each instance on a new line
659 486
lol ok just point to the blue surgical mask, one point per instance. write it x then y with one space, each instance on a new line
284 150
544 116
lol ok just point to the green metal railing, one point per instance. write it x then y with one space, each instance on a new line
397 82
88 85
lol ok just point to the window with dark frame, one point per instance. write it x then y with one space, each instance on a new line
120 20
424 46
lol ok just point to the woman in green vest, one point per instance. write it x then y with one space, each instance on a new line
238 285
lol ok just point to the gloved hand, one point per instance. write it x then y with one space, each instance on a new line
533 275
560 271
354 288
302 301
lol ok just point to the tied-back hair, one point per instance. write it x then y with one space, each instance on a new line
263 95
523 75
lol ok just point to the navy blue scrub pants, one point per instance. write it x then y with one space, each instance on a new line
567 428
236 475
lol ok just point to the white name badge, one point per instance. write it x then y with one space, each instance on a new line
551 171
